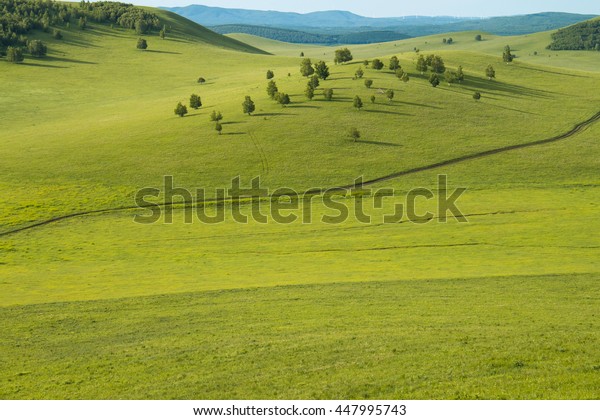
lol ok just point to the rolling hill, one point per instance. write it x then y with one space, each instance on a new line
96 305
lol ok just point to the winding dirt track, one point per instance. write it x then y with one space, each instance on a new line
576 130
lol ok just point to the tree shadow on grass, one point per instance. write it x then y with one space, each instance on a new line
417 104
304 106
231 122
163 52
272 114
510 90
234 134
378 143
49 66
379 111
67 60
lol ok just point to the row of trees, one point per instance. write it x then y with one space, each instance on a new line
320 69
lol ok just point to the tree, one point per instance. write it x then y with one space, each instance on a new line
322 70
201 80
57 34
373 99
218 127
309 92
82 23
477 96
181 110
36 48
445 41
270 75
390 95
328 94
368 83
366 63
400 73
460 75
272 89
421 65
283 99
141 27
377 64
450 41
394 63
437 64
490 72
507 55
162 33
359 73
302 54
216 116
14 55
450 77
354 134
358 103
314 81
306 69
343 56
478 38
142 44
434 80
405 78
248 106
195 102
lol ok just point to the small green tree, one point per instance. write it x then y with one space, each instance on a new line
218 127
195 102
450 77
272 89
314 81
477 96
478 38
283 99
57 34
328 94
460 75
201 80
394 63
406 78
437 64
82 23
302 54
37 48
181 110
507 55
322 70
421 65
141 27
343 56
162 33
368 83
309 92
357 103
490 72
216 116
359 73
400 73
390 95
354 134
306 68
366 63
373 99
434 80
142 44
377 64
450 41
14 55
270 75
248 106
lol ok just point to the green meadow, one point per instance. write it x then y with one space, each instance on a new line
96 306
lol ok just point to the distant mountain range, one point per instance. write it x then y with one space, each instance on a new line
339 27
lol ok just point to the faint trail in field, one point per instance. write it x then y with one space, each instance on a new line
576 130
263 157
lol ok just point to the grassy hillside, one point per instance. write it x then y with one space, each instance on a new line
97 306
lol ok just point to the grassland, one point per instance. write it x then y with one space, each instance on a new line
504 306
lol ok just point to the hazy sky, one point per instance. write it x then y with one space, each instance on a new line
382 8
